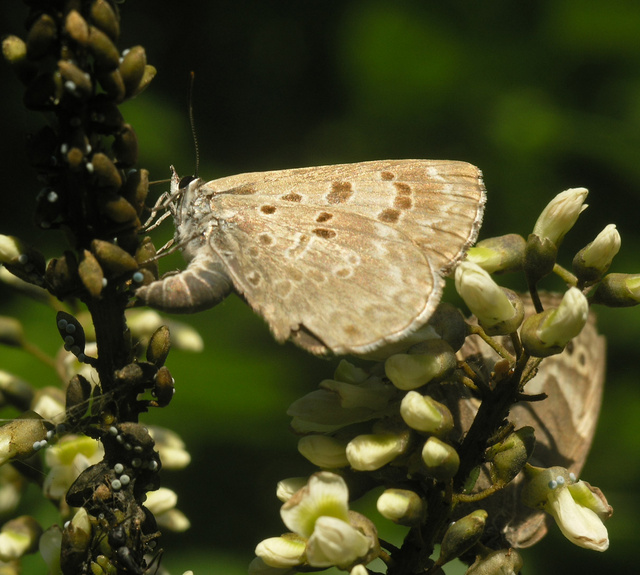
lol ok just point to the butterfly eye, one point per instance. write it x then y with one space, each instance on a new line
184 182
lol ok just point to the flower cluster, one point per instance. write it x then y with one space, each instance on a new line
443 424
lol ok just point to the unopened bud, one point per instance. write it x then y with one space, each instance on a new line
401 506
462 535
349 373
18 437
500 562
410 371
618 290
560 215
19 537
423 413
372 451
499 255
441 459
489 302
539 258
322 451
593 261
510 455
547 333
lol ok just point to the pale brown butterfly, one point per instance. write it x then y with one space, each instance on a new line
564 423
341 259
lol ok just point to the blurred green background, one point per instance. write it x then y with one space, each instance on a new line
542 96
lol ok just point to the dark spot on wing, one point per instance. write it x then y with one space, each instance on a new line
389 216
265 239
402 202
254 278
268 209
244 190
340 192
386 176
403 188
292 197
324 233
324 217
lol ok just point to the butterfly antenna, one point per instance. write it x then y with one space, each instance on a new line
192 122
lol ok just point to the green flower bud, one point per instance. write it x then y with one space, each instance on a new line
136 188
112 83
105 172
499 255
500 562
462 536
17 438
91 274
159 346
539 258
510 455
77 28
19 537
441 459
132 68
104 51
401 506
112 258
410 371
117 209
618 290
105 18
448 322
77 81
349 373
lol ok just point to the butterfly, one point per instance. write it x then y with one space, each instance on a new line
339 259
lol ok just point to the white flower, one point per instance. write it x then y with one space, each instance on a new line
325 494
423 413
335 542
578 508
560 214
170 447
287 487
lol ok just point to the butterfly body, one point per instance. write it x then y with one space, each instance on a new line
339 259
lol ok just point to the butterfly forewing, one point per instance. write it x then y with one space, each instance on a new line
348 256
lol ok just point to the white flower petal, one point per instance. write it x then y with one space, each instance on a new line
335 542
281 551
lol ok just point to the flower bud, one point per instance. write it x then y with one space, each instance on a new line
104 17
539 258
489 302
324 452
500 562
449 324
410 371
159 346
462 535
91 274
510 455
287 487
560 215
42 37
441 459
282 552
112 258
401 506
21 260
618 290
135 189
373 451
547 333
17 438
11 333
349 373
77 28
335 542
19 537
499 255
132 68
593 261
104 51
423 413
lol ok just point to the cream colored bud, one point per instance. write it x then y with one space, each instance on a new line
601 251
323 451
17 438
287 487
560 214
372 451
401 506
19 537
570 317
484 297
441 459
410 371
423 413
282 552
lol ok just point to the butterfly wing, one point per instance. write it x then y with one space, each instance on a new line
345 258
